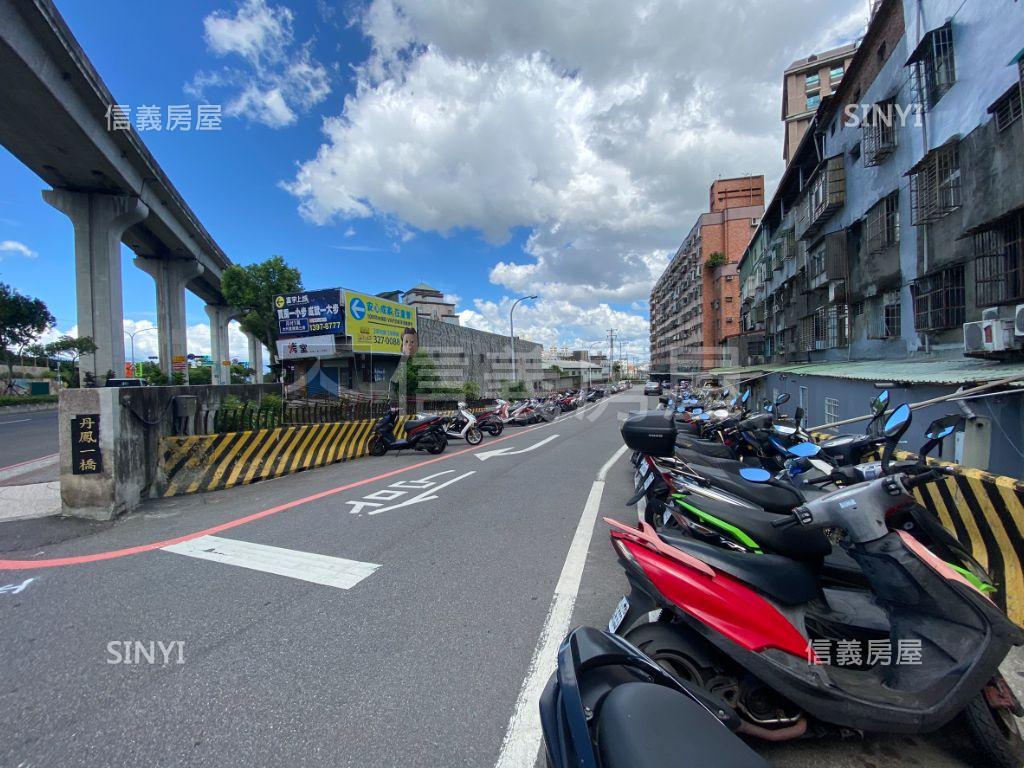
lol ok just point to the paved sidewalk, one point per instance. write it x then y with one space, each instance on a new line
30 489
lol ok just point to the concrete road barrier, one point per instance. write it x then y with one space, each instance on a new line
211 462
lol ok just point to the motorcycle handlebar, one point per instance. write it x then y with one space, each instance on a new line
939 473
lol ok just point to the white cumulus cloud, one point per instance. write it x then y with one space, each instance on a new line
13 246
280 79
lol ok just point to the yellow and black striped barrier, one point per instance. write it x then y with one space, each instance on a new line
986 513
211 462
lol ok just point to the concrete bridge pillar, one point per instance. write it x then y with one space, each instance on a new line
171 277
220 316
255 357
99 221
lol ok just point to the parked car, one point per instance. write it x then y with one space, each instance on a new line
126 383
652 388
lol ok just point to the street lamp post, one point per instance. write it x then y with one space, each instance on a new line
131 336
512 334
590 346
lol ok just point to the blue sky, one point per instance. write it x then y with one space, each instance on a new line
491 152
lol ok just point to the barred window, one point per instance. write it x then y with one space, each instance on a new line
883 223
935 185
879 140
1007 108
825 328
939 299
886 316
934 65
999 262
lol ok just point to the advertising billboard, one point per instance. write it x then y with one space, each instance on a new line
375 324
310 313
307 346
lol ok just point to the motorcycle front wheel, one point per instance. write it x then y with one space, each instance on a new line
474 436
496 428
995 732
438 445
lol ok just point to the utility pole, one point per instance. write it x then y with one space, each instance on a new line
611 351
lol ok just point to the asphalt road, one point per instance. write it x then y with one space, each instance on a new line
27 436
420 663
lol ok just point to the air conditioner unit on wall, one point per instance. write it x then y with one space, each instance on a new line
1018 320
985 336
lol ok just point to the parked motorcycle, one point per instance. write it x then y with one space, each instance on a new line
463 426
762 632
610 706
426 432
493 421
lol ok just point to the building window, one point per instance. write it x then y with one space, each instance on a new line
935 184
813 100
883 223
1007 108
999 261
836 73
934 65
886 318
831 410
812 82
939 299
879 132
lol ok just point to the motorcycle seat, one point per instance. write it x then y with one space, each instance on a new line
643 725
772 498
703 460
710 448
785 580
797 543
413 423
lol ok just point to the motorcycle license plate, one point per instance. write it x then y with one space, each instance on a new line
620 613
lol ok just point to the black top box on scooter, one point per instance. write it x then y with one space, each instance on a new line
650 432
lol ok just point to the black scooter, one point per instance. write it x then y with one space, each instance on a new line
609 706
424 433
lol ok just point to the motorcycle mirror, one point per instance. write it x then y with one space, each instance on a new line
880 402
705 417
725 392
698 411
745 396
897 423
732 403
938 431
755 474
782 399
804 450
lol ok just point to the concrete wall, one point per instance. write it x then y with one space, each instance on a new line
466 354
132 422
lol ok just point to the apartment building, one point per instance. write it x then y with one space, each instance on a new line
695 303
805 83
900 218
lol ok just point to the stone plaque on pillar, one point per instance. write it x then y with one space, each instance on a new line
86 454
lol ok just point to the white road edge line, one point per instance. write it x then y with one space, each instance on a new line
523 736
307 566
25 467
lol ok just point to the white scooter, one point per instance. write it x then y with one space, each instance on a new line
462 426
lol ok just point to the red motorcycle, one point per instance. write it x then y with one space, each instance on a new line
493 421
919 647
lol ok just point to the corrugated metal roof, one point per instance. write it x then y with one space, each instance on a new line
952 371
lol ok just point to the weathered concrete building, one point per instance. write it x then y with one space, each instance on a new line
898 220
695 303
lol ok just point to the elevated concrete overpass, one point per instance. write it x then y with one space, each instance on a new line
54 111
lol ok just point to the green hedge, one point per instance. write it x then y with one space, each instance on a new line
6 400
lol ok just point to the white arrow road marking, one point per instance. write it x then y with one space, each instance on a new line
509 452
307 566
427 495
